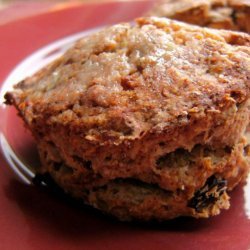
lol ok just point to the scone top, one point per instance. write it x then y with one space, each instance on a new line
130 81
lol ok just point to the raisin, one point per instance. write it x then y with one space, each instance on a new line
209 194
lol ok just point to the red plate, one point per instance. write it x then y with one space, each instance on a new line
34 218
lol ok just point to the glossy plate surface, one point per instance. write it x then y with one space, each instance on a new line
35 218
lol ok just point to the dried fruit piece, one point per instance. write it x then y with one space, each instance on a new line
208 194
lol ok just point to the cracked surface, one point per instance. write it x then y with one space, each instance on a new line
219 14
160 102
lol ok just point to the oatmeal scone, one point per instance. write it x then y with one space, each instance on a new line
219 14
144 121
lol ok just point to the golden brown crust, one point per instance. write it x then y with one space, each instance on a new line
122 101
219 14
136 86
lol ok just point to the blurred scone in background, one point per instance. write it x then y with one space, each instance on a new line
219 14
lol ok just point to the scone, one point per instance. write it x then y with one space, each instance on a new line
144 121
219 14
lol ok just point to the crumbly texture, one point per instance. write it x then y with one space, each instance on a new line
144 121
196 183
219 14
